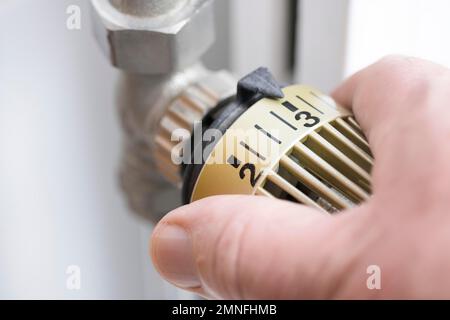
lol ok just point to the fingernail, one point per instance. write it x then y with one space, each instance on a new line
173 256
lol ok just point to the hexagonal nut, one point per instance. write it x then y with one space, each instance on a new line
154 44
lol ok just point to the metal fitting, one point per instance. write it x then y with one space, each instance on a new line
153 36
151 108
184 112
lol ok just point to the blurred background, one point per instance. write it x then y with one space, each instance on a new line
60 138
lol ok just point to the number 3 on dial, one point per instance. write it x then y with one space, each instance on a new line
305 115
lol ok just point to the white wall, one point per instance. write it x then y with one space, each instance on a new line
411 27
59 153
259 36
321 44
339 37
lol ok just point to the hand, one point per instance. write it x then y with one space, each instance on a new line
247 247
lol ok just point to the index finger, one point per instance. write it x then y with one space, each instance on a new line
388 94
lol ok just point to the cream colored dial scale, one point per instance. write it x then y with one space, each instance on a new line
303 147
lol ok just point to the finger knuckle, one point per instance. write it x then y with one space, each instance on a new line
404 75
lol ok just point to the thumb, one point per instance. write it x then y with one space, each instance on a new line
247 247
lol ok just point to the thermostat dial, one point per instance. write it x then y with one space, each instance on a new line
302 147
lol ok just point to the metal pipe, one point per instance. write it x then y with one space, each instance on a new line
158 43
148 8
153 36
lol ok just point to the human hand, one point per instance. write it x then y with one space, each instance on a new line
248 247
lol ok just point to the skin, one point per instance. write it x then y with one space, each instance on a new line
244 247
